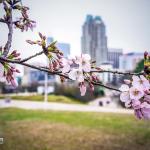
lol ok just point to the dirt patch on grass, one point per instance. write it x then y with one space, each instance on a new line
42 135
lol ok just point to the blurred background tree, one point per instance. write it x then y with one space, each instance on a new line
139 66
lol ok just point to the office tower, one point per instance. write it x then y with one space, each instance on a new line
113 56
94 39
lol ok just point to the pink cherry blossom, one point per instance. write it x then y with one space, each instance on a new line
141 82
136 104
147 98
125 96
138 113
14 82
137 96
146 112
9 75
136 93
141 110
84 62
76 74
65 65
82 88
91 87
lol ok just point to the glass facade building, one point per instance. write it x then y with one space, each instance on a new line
94 39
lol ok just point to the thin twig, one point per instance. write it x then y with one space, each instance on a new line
3 21
102 85
105 86
28 58
117 72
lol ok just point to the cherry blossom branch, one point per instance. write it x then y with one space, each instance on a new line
135 93
93 71
44 69
10 33
117 72
26 64
34 67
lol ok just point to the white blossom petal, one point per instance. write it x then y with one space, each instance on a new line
87 67
73 74
66 69
135 78
86 57
124 88
128 104
80 78
65 64
124 96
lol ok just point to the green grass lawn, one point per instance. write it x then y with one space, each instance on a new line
51 98
54 130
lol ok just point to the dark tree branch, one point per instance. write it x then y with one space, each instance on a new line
3 21
105 86
44 69
32 66
10 33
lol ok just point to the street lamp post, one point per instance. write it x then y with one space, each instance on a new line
46 88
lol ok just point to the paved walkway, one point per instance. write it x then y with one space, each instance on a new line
60 106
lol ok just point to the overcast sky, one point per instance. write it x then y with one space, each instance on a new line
127 23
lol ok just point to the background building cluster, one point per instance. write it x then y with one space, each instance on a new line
93 42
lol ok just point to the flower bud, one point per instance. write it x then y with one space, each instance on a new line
30 42
91 87
17 71
145 54
41 36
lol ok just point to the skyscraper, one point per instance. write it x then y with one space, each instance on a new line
94 39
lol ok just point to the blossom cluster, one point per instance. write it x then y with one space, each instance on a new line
136 94
24 23
53 54
7 71
79 69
